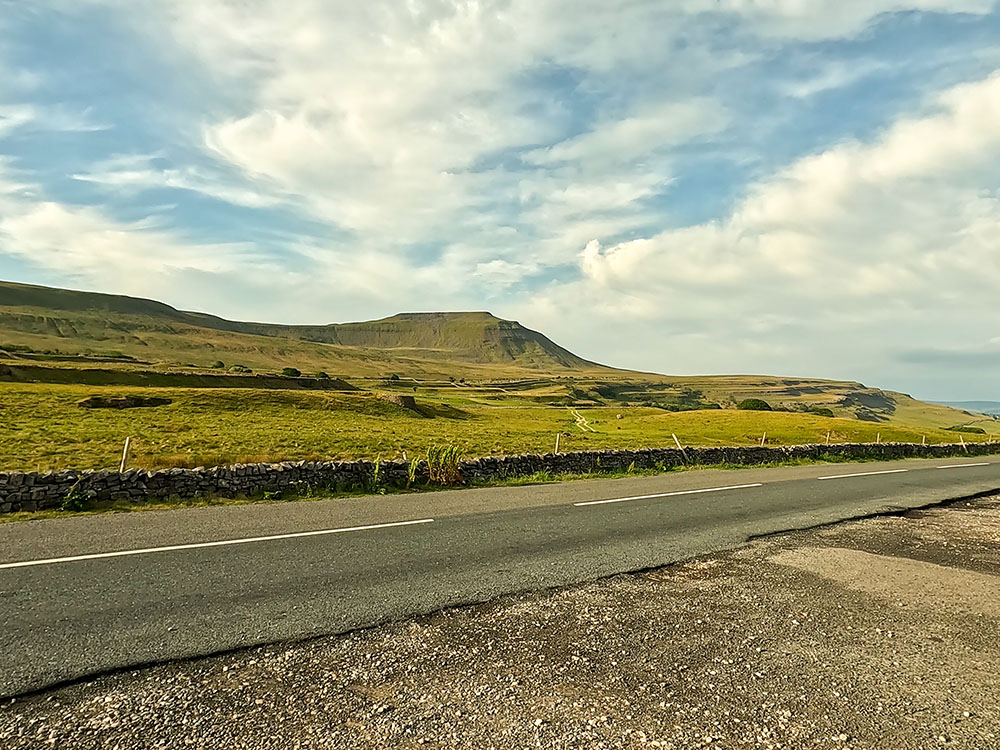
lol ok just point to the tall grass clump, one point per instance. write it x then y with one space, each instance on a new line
411 472
442 465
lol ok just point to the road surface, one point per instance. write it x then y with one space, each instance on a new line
85 595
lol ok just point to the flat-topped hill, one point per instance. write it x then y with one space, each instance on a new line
45 319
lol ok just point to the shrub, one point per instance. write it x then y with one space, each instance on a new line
821 411
76 501
241 369
291 372
394 377
322 375
754 404
219 365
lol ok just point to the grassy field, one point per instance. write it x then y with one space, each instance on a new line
43 428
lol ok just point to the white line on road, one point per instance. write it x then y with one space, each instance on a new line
866 474
200 545
962 466
667 494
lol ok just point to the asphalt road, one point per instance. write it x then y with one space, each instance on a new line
84 595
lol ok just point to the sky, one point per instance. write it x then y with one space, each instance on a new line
788 187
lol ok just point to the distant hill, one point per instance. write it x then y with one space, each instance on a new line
44 319
63 336
979 407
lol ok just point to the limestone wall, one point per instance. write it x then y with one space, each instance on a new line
31 491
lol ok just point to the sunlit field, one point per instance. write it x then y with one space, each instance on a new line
43 428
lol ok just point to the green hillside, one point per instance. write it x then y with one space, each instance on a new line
37 319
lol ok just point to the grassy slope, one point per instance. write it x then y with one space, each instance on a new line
44 429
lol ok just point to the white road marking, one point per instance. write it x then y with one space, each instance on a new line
866 474
667 494
962 466
201 545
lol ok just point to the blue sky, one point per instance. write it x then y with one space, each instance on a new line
790 187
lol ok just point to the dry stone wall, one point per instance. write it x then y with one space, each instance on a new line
32 491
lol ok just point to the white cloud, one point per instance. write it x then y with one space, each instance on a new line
82 242
909 203
52 118
829 19
59 237
638 135
852 254
392 121
502 273
127 173
13 118
834 75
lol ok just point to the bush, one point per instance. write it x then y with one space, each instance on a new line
291 372
967 429
821 411
322 375
76 501
754 404
241 369
219 365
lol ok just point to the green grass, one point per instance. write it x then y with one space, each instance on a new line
41 428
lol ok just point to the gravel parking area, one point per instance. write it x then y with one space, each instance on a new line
883 633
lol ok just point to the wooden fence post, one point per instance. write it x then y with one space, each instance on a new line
128 444
679 446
